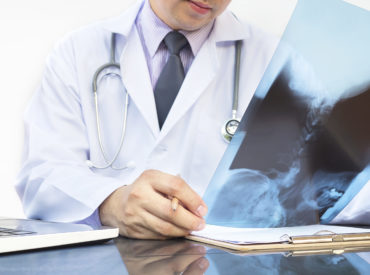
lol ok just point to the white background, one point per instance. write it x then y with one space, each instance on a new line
29 29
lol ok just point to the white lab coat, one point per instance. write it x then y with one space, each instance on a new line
61 134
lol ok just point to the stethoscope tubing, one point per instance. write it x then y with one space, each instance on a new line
238 51
123 133
111 64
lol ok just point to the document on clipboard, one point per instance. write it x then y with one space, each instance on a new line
280 234
309 237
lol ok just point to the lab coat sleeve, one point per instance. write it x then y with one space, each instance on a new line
54 182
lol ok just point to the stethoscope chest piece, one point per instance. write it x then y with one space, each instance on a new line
229 128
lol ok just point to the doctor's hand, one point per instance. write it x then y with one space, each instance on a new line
143 209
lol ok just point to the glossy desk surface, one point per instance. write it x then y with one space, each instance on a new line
124 256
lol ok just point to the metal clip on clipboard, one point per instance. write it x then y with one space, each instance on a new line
326 236
336 243
322 242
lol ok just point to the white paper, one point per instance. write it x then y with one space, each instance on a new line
270 235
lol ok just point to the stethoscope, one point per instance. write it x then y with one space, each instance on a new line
227 130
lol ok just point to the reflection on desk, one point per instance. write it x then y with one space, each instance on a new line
185 257
88 259
178 256
280 264
163 257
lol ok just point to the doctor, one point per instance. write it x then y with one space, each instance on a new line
60 179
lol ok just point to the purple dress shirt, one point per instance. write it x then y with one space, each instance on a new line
152 30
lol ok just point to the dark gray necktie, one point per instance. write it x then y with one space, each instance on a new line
171 77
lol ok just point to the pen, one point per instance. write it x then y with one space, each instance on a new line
174 203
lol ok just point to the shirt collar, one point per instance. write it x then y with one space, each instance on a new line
155 30
226 27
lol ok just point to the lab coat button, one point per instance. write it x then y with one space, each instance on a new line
130 164
162 148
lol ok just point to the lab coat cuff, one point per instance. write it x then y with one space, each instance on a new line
93 220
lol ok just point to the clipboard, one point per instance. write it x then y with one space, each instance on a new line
319 243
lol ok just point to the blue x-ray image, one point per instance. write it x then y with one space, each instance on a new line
302 149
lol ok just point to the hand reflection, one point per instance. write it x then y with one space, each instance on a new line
162 257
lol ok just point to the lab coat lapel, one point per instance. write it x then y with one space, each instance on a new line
201 73
134 69
136 78
204 68
123 23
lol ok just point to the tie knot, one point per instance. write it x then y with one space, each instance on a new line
175 42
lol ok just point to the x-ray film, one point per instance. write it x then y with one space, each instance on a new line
302 149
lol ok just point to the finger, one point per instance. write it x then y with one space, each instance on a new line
141 232
199 266
181 217
134 227
162 227
175 186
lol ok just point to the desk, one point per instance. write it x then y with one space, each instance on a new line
124 256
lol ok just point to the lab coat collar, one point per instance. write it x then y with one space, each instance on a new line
123 23
229 28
